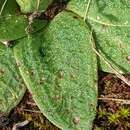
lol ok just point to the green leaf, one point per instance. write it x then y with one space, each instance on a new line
110 21
114 45
33 5
78 6
112 28
8 7
102 11
14 27
12 87
59 68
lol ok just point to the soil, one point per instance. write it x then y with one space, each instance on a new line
114 96
113 110
27 110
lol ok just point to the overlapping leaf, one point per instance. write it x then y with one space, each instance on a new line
14 27
8 7
102 11
33 5
59 68
110 21
12 87
114 45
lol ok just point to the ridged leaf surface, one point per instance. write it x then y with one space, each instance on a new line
59 68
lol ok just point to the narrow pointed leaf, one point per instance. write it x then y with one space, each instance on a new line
33 5
12 87
59 68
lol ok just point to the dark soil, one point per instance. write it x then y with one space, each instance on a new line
113 111
27 110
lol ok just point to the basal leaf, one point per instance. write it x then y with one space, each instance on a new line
114 45
78 6
12 87
109 12
33 5
59 68
112 29
8 7
13 27
110 21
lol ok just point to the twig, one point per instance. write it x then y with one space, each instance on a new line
27 110
32 104
123 101
21 124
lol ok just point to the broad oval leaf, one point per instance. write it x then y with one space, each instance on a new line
110 21
33 5
60 69
12 87
13 27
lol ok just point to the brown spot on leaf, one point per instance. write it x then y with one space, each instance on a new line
2 72
60 74
76 120
128 58
57 97
30 72
75 17
18 64
41 81
104 28
72 76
